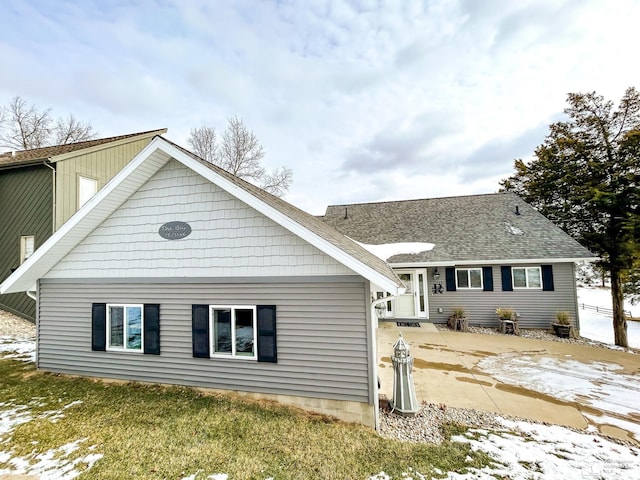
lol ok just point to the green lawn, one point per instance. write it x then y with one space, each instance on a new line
146 431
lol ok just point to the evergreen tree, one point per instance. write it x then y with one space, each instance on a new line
585 177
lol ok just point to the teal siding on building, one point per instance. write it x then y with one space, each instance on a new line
26 208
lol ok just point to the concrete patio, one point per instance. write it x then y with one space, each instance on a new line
446 372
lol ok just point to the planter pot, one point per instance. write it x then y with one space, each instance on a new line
562 331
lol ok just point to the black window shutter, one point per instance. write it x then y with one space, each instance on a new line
507 283
99 327
547 278
487 279
152 329
267 351
450 274
200 330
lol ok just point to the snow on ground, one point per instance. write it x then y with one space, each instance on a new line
599 385
598 326
55 464
523 451
20 349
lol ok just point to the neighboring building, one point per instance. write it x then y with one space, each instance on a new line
42 188
179 272
485 252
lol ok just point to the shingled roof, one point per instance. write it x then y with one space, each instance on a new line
491 227
153 157
35 155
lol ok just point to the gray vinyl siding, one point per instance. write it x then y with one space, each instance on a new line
536 308
26 208
321 336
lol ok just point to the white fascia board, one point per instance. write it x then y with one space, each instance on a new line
84 221
285 221
450 263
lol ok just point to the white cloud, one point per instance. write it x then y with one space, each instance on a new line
362 99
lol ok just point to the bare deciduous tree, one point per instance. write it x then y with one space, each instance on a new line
239 152
24 126
204 143
71 130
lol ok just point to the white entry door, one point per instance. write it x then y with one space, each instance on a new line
413 303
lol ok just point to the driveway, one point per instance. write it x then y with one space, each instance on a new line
566 384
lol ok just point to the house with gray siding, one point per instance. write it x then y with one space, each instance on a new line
178 272
481 252
41 188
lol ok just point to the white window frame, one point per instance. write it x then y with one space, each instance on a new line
468 270
81 199
526 278
125 328
26 252
212 332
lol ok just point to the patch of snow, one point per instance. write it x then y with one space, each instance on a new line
513 230
598 326
388 250
538 452
218 476
598 384
19 349
53 464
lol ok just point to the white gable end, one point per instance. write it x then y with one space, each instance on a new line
228 238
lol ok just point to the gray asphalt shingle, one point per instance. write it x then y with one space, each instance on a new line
475 227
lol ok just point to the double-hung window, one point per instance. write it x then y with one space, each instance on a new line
527 277
469 278
125 327
233 331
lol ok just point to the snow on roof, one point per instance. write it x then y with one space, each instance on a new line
388 250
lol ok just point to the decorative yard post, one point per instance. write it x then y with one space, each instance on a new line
404 392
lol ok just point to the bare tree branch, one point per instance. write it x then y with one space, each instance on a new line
204 143
70 130
24 126
277 182
239 152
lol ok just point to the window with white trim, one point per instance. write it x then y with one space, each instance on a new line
125 327
27 247
233 331
87 188
527 277
469 278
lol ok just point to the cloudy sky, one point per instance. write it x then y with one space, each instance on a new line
365 100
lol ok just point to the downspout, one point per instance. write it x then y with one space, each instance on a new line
34 295
374 355
53 170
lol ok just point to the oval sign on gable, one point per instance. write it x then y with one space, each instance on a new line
174 230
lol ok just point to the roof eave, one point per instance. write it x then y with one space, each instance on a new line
94 212
503 261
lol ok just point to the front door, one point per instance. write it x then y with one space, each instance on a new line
413 303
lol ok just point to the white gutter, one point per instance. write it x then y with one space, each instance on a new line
32 294
523 261
374 355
